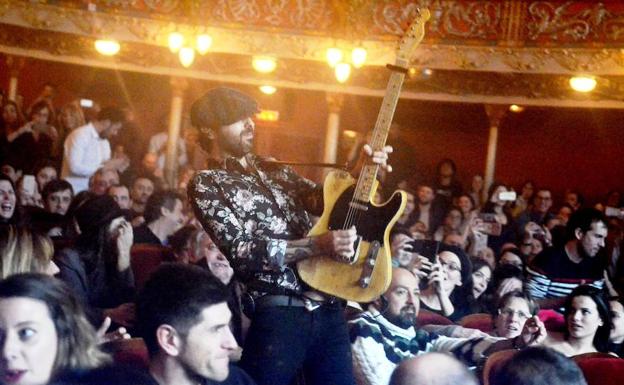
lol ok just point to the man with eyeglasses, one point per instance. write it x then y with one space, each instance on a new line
385 334
556 271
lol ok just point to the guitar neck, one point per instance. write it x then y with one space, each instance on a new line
368 175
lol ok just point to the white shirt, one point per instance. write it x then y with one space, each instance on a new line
158 145
84 152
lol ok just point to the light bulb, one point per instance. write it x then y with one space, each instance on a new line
358 57
343 71
176 41
334 56
583 83
187 56
264 64
107 47
269 90
516 108
203 43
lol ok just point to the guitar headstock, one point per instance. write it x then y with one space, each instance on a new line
413 36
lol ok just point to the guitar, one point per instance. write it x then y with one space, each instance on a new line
348 203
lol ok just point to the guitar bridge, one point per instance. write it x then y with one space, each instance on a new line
369 264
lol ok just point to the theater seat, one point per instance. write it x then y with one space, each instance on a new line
602 370
494 363
144 259
426 317
480 321
131 352
553 321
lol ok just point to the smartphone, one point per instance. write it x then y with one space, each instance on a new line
427 248
86 103
507 196
614 212
490 224
29 184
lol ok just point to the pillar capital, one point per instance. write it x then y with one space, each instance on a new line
334 102
178 86
496 113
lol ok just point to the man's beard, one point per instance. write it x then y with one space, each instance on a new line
405 319
237 149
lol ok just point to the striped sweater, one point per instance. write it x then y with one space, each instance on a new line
378 346
552 274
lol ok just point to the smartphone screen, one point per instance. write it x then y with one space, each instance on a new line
29 184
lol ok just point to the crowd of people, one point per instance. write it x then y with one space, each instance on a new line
76 196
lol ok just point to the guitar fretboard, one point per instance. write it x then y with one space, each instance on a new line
364 187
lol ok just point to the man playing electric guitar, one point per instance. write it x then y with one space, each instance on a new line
257 213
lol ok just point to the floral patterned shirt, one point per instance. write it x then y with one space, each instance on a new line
251 215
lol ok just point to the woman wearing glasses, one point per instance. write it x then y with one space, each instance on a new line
588 324
513 309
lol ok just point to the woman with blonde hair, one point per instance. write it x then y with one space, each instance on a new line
25 251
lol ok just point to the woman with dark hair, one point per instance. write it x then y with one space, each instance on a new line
588 323
498 208
10 211
97 267
451 270
11 119
44 331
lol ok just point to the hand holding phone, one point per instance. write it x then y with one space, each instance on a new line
29 184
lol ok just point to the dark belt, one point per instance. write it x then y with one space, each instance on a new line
289 300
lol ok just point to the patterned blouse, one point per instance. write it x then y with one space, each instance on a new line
251 215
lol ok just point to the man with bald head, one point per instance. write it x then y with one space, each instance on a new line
384 335
418 371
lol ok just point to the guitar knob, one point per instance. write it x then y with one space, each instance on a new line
365 282
371 262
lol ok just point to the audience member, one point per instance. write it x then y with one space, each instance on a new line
476 190
385 335
574 199
588 324
10 212
25 251
121 195
524 199
616 337
87 148
498 210
512 256
142 188
539 212
57 196
432 369
539 366
70 117
446 186
45 332
556 271
12 120
163 217
427 211
44 172
512 311
102 179
97 267
184 319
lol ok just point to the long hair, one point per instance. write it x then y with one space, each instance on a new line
77 343
601 338
23 251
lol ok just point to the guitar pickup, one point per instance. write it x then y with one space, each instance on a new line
369 264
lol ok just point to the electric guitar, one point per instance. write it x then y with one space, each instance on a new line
368 274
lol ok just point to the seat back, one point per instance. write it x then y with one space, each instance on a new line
494 363
131 352
601 370
426 317
480 321
144 259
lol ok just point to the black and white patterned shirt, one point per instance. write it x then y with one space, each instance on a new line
251 215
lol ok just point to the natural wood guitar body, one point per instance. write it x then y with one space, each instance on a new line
373 225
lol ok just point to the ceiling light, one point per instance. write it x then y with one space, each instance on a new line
176 41
350 134
343 70
358 57
583 83
107 47
187 56
426 72
269 90
203 43
334 56
264 64
516 108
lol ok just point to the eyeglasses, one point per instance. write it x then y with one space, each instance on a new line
510 313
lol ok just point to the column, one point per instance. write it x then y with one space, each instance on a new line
332 132
495 115
178 87
15 65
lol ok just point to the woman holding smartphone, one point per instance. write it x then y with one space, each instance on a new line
97 267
